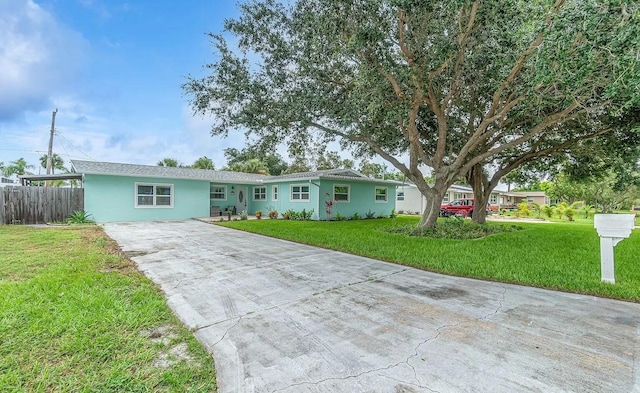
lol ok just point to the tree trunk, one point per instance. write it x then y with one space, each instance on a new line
480 207
431 212
481 193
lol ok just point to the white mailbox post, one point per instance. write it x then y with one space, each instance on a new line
611 228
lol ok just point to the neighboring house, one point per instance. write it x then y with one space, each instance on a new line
410 200
511 199
126 192
6 182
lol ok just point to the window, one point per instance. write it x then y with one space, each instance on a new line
274 193
218 193
457 195
154 195
299 193
493 199
259 193
445 199
530 199
341 193
400 196
381 194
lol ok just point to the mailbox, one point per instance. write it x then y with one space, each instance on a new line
612 228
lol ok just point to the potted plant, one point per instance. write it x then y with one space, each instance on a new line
258 214
273 214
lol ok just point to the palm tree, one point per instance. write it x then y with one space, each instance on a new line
56 162
18 167
253 165
203 162
172 162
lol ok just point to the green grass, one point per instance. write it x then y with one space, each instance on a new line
560 256
76 316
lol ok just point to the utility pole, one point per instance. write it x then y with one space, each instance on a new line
50 153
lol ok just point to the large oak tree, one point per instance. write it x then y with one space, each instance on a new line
456 85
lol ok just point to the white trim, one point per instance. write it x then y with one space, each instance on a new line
386 194
263 194
224 188
400 196
348 200
301 192
274 193
155 195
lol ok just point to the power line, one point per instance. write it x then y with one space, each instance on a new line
76 147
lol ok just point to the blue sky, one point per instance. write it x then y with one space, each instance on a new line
113 69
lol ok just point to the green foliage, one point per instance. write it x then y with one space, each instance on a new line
456 228
274 163
523 209
332 160
273 214
548 210
393 213
538 208
170 162
79 217
456 87
586 209
339 217
56 162
369 214
356 216
17 167
600 192
203 162
253 165
243 215
304 215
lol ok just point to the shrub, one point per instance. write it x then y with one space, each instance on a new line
369 214
548 211
79 217
273 214
339 217
243 215
356 216
523 209
306 215
456 228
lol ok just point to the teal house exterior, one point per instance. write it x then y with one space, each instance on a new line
127 192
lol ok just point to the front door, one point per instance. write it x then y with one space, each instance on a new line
241 199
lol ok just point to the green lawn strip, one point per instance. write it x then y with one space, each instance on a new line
76 317
561 256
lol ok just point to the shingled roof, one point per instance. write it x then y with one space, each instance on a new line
117 169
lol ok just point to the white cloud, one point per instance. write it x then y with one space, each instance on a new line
38 56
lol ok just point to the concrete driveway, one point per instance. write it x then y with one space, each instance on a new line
284 317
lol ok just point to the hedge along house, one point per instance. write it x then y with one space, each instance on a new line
127 192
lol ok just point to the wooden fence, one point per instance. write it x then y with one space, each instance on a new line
38 205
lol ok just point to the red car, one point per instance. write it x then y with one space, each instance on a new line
460 207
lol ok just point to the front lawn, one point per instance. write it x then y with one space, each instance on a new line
561 256
76 316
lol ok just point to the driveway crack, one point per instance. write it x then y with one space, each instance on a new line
352 377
